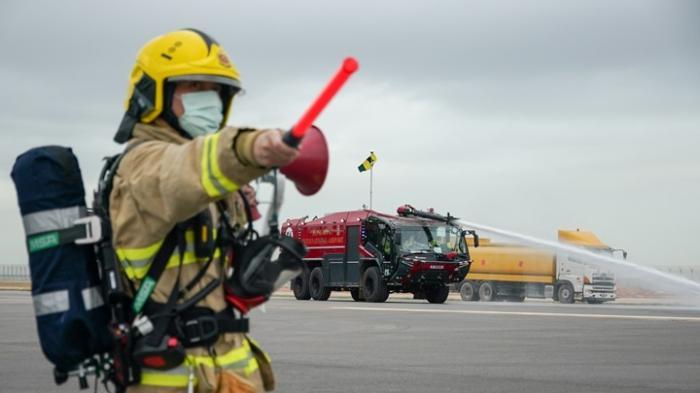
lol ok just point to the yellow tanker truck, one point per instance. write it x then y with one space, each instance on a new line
513 272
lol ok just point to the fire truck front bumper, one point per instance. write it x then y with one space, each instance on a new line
419 273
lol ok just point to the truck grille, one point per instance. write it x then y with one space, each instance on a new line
603 280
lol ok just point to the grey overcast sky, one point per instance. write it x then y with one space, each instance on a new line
524 115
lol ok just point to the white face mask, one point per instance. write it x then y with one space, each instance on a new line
203 113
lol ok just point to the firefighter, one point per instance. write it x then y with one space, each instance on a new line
181 161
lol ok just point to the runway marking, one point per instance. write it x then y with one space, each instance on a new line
527 314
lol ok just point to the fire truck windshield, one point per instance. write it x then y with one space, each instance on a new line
439 239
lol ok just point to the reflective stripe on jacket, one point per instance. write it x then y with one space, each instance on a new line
239 360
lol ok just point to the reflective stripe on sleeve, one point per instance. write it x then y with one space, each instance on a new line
52 220
92 298
215 183
51 302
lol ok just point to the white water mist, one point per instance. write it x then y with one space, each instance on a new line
657 279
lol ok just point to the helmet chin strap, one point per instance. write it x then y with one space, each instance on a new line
168 114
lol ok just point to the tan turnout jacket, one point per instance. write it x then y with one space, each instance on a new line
165 180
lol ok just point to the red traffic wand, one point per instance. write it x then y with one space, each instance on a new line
293 137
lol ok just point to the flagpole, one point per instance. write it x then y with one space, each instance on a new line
371 170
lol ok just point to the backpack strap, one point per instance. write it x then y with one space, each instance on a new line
160 261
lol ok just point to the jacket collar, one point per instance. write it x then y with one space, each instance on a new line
159 130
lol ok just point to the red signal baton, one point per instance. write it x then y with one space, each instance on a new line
293 137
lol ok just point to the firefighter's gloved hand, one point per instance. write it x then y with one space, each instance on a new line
270 151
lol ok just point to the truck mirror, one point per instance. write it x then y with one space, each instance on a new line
622 250
473 233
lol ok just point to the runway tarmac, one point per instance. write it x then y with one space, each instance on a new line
411 346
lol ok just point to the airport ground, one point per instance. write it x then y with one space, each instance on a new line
408 345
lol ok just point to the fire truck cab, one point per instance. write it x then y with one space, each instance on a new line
372 254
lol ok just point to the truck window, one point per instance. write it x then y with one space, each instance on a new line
372 233
386 245
414 239
439 239
462 245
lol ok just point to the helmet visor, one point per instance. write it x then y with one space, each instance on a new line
236 85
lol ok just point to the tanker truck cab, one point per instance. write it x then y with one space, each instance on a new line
372 254
590 283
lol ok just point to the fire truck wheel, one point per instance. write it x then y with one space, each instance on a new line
467 292
566 293
487 291
300 285
373 286
355 293
437 294
318 291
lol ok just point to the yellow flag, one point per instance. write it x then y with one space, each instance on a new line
368 163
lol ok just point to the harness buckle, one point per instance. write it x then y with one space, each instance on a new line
143 324
202 329
93 229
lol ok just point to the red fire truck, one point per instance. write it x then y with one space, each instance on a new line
372 254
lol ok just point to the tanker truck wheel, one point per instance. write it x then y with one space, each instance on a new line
487 291
373 286
437 294
300 285
467 292
566 293
318 291
355 293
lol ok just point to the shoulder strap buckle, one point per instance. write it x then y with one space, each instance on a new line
93 229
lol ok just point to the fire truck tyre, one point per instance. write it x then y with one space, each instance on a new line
437 294
300 285
467 292
355 293
487 291
316 288
386 296
373 286
566 293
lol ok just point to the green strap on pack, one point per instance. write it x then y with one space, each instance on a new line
46 240
145 290
43 241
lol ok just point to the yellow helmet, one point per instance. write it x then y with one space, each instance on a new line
183 55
